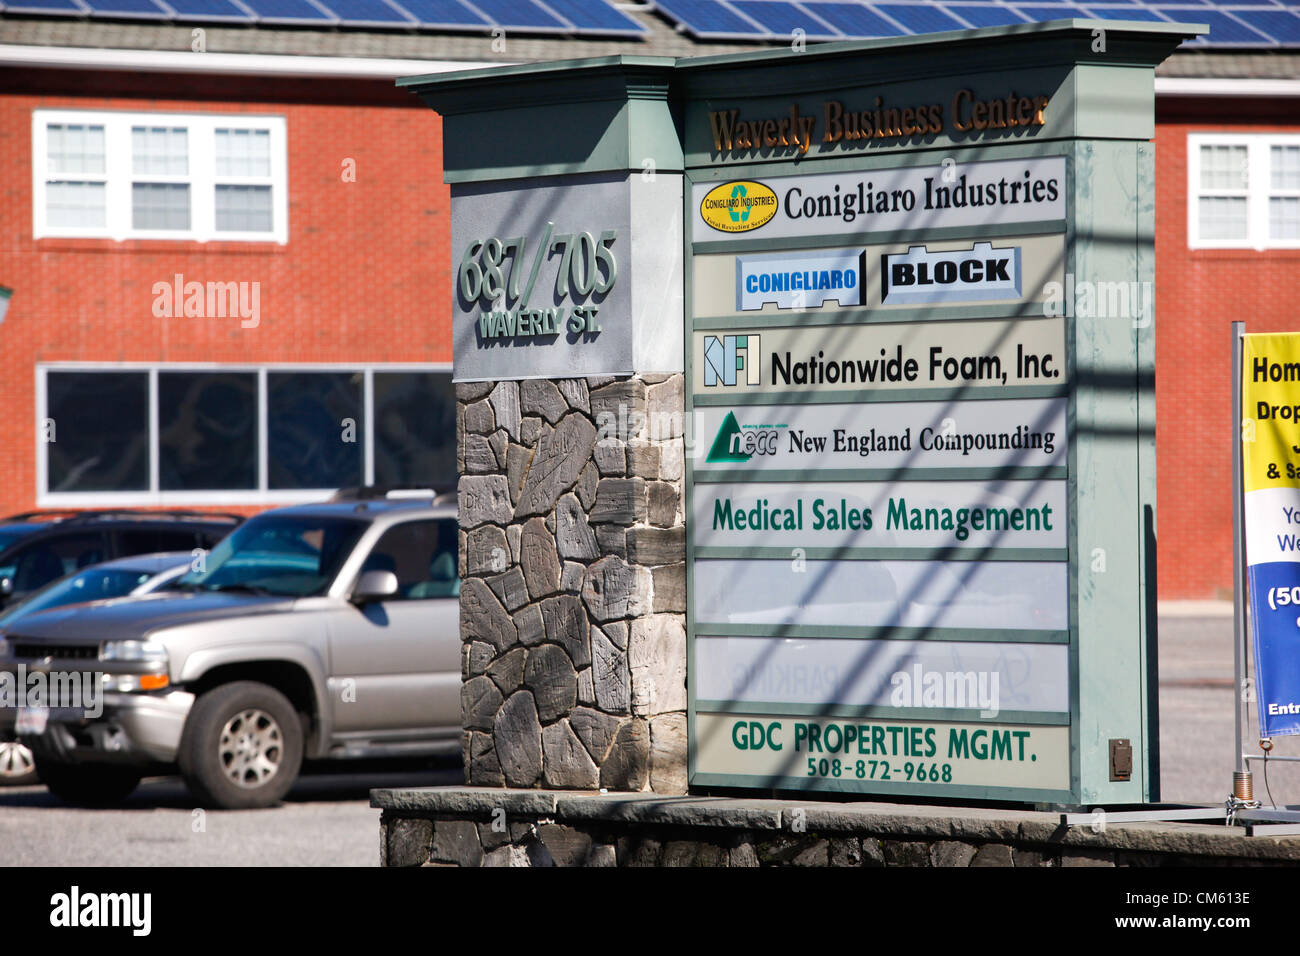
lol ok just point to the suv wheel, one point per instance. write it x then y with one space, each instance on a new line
242 746
17 766
87 785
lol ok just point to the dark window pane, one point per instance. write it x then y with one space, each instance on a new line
423 556
314 429
415 428
99 431
207 431
149 541
42 561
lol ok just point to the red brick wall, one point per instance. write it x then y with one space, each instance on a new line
1199 293
363 277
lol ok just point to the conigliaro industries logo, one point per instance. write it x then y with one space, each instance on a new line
738 206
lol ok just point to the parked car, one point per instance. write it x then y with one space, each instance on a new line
314 631
139 574
39 546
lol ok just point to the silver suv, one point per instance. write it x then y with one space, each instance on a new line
316 631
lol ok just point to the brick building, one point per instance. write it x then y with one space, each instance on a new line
228 250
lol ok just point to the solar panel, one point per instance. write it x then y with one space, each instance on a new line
1128 13
365 12
45 6
1278 24
597 17
985 15
443 13
1041 14
855 20
781 18
705 18
1223 29
517 13
288 11
127 8
920 18
209 10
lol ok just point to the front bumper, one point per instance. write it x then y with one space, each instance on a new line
137 729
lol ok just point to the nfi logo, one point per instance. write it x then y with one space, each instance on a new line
727 356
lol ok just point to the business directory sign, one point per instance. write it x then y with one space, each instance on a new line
897 529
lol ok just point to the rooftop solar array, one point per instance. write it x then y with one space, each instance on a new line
580 17
1233 23
1237 23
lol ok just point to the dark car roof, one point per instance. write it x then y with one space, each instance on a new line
363 509
31 524
36 520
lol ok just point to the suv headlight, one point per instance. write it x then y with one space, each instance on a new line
4 647
134 651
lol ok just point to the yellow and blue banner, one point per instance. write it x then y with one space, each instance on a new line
1270 444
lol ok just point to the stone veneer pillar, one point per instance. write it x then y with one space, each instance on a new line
569 433
572 550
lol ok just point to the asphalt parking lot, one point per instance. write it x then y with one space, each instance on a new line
327 820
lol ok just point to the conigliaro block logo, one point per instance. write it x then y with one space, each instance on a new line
738 206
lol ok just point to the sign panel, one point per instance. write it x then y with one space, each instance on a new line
542 283
960 434
962 675
912 197
922 277
894 515
1270 392
819 358
886 276
875 754
799 280
799 592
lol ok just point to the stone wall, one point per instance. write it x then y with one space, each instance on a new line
463 827
573 594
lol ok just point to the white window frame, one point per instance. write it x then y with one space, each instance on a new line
155 497
1258 189
202 175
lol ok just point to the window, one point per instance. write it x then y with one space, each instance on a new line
97 436
172 435
159 176
423 556
1243 191
52 557
315 429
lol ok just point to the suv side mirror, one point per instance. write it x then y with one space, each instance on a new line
374 586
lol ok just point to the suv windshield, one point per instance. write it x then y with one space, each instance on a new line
93 584
284 555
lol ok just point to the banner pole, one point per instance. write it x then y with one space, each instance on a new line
1242 785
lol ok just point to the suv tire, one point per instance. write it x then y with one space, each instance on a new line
242 746
87 784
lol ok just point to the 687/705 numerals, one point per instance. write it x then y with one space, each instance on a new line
587 265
